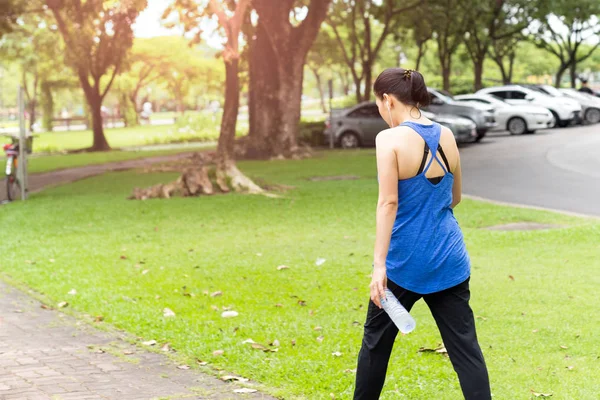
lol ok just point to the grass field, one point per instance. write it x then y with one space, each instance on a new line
534 292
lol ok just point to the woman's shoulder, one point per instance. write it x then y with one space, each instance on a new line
393 134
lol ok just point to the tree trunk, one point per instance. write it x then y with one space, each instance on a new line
446 68
559 74
573 72
285 143
511 64
368 71
419 56
345 82
478 68
47 106
320 87
32 107
100 143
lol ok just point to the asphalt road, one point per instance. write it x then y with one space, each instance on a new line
557 169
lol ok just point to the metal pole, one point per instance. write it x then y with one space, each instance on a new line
22 166
331 130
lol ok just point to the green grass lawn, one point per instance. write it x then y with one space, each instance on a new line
129 260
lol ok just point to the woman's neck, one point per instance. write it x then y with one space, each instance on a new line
406 115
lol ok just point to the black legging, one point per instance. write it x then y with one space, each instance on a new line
452 313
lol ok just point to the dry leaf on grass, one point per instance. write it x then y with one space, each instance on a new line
144 272
72 292
149 343
232 378
537 394
302 303
122 258
282 267
320 261
183 367
564 347
217 293
166 347
440 350
202 363
278 305
168 313
350 371
320 339
51 260
245 390
512 278
317 328
128 352
274 343
218 352
248 341
63 304
229 314
570 367
336 354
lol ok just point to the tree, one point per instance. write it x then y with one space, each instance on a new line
283 36
449 19
324 53
491 21
504 51
97 36
361 28
563 28
10 10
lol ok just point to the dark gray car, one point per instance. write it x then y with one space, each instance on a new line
359 125
483 116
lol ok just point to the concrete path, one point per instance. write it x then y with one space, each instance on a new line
47 355
38 182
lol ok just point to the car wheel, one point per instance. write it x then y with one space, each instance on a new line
592 116
555 119
349 140
517 126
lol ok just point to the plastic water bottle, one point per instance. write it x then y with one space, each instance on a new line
403 320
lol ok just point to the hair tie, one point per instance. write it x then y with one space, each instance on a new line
407 74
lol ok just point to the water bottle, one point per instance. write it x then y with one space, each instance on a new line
397 312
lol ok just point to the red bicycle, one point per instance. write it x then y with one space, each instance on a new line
13 186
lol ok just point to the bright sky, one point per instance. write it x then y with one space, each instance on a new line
149 24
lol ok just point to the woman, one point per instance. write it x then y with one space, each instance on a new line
419 247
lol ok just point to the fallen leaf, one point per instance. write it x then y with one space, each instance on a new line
128 352
218 352
259 254
302 303
215 294
144 272
512 278
157 297
336 354
137 266
275 343
570 367
480 317
72 292
332 395
320 339
311 312
149 343
534 331
215 308
202 363
27 261
99 318
99 351
355 323
281 267
168 313
166 347
51 260
183 367
317 328
232 378
229 314
63 304
245 390
564 347
278 305
155 229
440 350
350 371
320 261
248 341
536 394
293 342
122 258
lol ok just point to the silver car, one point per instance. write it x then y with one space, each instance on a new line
359 125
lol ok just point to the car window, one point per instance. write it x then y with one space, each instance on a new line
503 94
518 95
370 111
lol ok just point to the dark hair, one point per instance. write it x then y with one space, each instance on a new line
407 85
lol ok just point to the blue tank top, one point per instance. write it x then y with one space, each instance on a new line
427 252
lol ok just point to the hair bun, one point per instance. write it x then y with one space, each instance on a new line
407 74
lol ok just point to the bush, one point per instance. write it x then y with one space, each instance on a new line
311 133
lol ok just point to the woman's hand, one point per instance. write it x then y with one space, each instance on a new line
378 284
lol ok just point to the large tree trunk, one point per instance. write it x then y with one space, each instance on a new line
573 72
446 69
320 87
47 106
368 70
226 168
511 64
559 74
478 68
100 143
420 55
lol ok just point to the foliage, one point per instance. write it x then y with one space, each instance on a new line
234 244
311 132
10 10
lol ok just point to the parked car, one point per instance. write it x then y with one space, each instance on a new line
483 116
515 119
589 103
565 111
359 125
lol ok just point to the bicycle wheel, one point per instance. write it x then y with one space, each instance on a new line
13 189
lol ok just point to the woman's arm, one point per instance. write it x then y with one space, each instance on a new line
387 206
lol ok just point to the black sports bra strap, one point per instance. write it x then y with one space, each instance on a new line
441 152
426 154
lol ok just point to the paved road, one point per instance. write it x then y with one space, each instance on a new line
558 169
46 355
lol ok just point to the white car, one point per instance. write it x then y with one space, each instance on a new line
517 120
563 109
590 104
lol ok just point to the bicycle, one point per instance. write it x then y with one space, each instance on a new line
13 186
